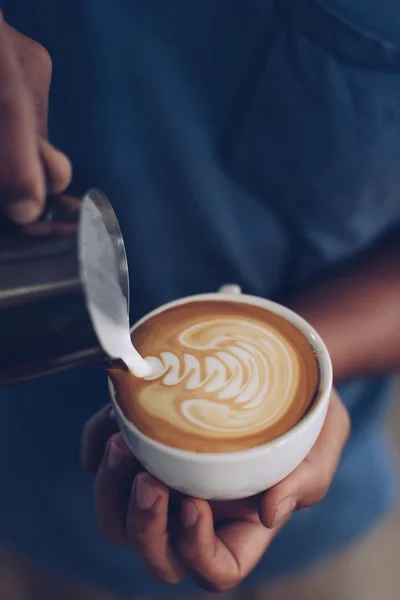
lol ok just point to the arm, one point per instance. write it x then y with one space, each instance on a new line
357 313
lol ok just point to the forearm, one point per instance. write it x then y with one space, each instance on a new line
357 313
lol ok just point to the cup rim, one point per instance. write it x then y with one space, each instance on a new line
319 404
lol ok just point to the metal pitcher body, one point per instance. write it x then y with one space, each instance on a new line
45 324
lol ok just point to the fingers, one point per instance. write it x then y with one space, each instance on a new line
96 433
246 509
130 511
113 489
309 483
147 527
22 186
64 219
58 170
217 556
220 559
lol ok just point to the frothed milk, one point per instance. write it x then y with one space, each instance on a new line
107 305
225 376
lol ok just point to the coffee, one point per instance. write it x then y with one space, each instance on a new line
226 376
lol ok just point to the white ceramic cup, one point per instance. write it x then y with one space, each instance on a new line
232 475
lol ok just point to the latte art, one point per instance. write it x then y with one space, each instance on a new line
241 381
224 376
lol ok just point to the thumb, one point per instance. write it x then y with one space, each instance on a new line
309 483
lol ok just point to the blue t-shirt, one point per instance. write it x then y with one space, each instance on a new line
248 142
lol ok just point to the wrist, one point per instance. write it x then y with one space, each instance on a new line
356 313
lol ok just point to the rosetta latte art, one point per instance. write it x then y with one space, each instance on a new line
233 376
225 376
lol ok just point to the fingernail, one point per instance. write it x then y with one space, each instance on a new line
22 211
145 494
283 511
190 514
115 457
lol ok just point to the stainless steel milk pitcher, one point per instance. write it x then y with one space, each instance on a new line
45 323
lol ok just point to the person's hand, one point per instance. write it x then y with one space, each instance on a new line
29 165
216 543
